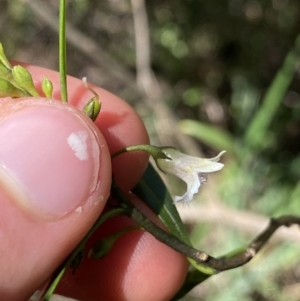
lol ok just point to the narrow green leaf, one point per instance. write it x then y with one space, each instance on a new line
272 100
153 191
192 279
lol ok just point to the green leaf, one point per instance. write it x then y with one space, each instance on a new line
210 135
192 279
272 100
153 191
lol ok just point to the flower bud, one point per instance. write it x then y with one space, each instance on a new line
47 87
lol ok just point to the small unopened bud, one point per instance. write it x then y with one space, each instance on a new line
47 87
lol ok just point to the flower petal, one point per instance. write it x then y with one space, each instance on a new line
218 157
193 184
189 169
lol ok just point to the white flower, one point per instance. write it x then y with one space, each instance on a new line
190 169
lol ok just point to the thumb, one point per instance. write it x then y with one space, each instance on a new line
54 182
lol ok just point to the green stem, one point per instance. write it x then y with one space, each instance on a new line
80 246
54 284
154 151
62 51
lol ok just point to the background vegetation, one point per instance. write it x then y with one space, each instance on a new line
225 73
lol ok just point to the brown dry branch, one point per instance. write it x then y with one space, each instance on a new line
222 263
219 264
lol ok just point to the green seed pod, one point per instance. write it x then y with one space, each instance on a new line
9 90
4 72
92 108
24 80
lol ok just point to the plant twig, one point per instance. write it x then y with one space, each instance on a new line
275 223
218 264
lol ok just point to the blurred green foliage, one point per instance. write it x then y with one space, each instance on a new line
233 66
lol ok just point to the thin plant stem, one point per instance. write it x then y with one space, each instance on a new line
151 149
62 51
59 274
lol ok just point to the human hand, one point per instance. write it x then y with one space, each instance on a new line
55 180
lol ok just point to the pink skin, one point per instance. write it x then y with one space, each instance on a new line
50 196
138 267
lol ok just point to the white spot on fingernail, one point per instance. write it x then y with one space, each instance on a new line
77 142
79 209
